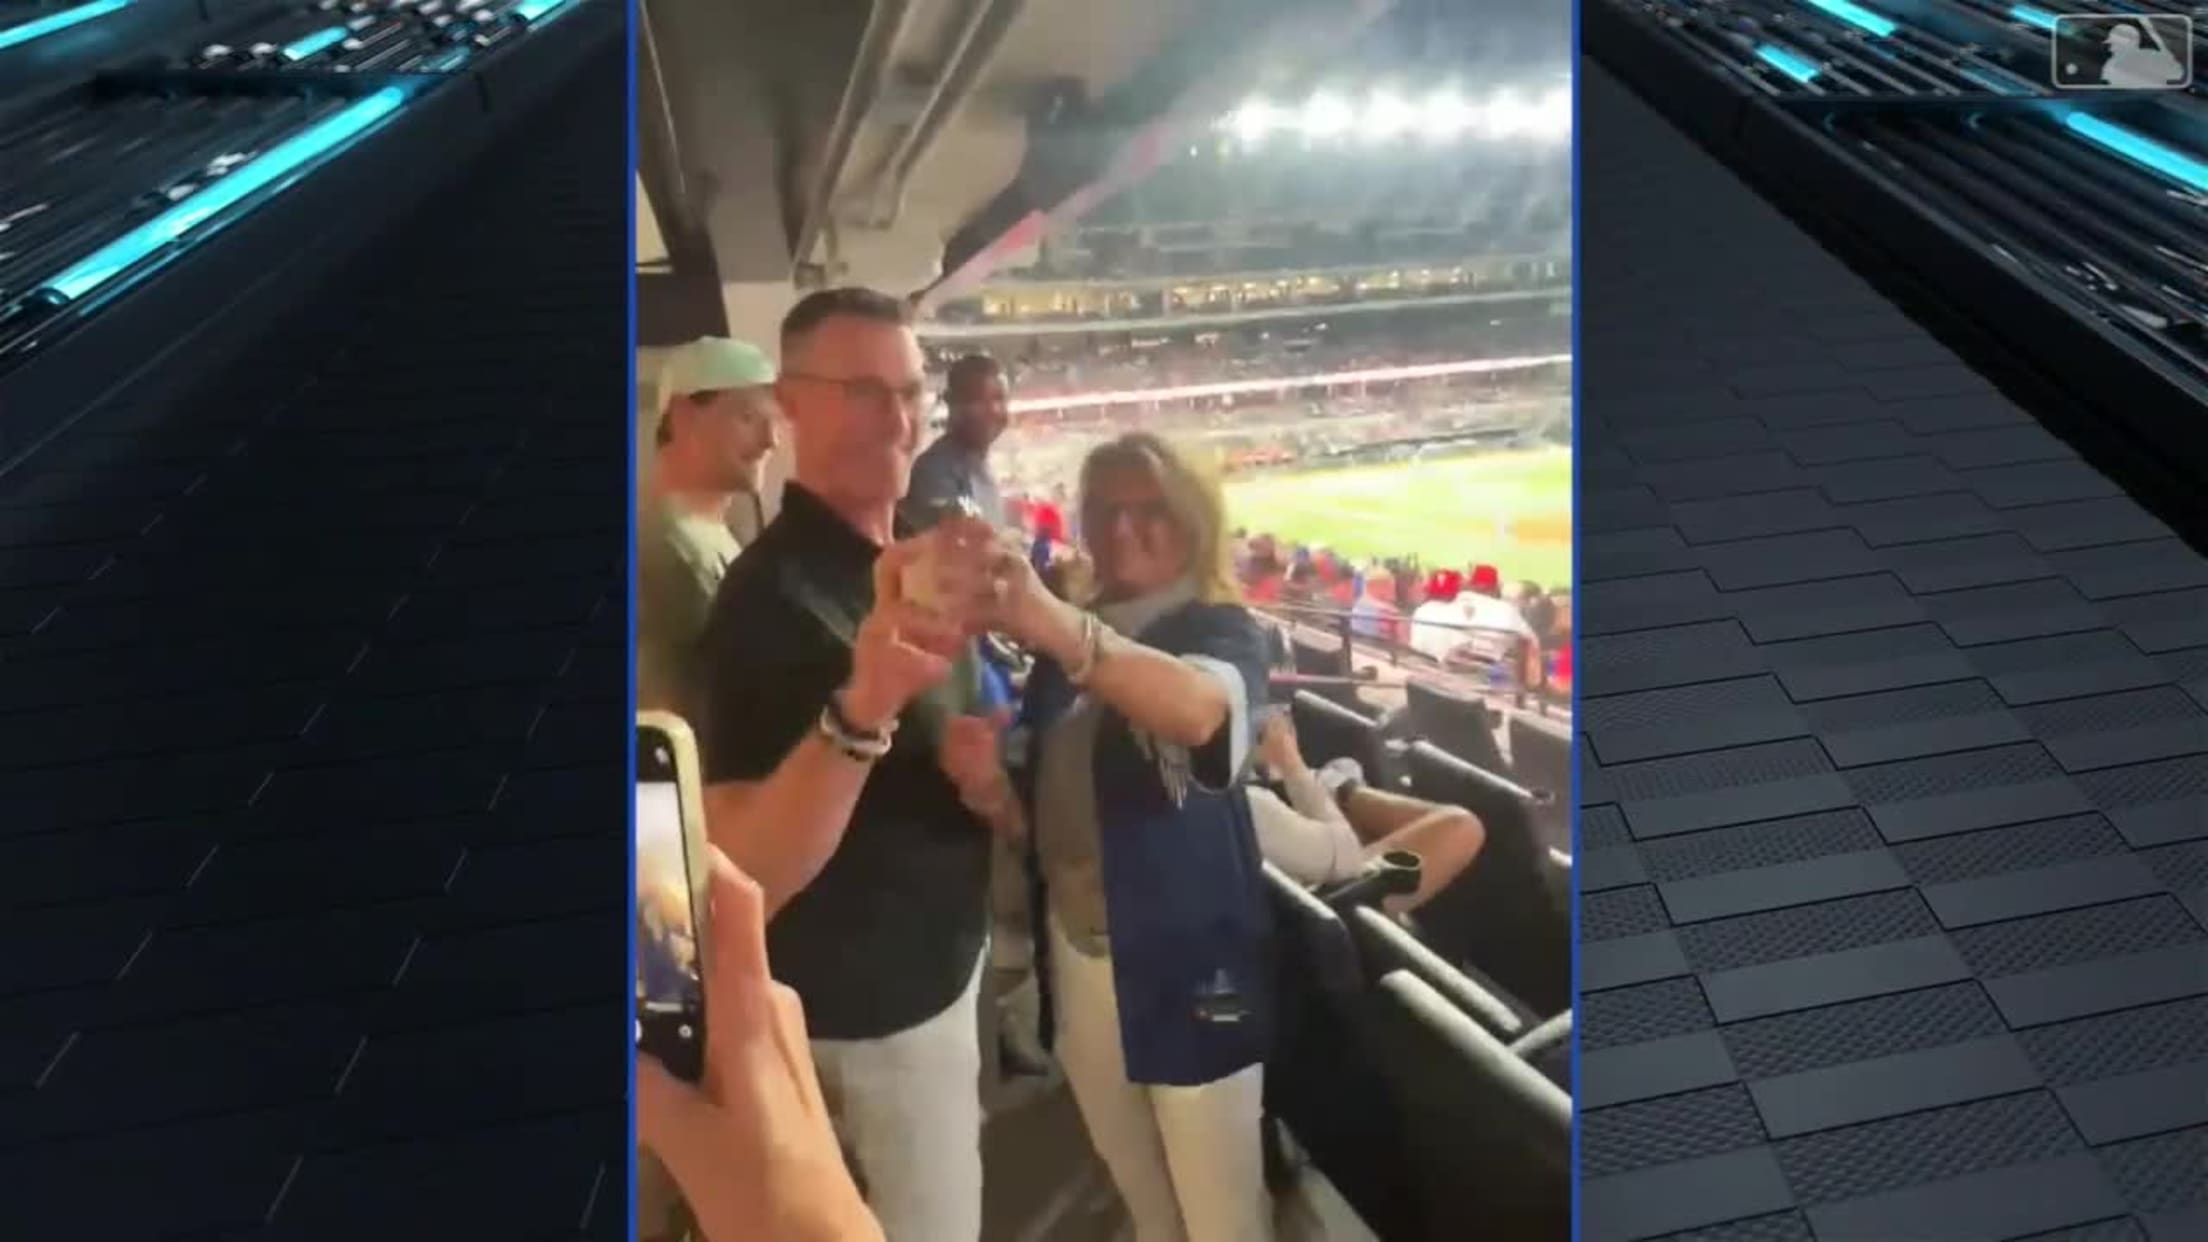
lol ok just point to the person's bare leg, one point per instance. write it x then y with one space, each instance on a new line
1445 838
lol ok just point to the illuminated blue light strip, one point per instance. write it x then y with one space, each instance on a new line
1857 16
285 157
1799 68
16 35
319 41
1996 85
534 10
446 63
2033 17
2139 149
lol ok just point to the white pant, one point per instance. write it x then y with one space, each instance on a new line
907 1108
1187 1160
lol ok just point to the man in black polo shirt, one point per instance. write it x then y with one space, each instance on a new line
878 906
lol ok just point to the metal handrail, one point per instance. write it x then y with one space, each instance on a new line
1341 623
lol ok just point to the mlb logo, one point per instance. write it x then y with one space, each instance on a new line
2122 52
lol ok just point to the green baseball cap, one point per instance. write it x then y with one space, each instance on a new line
712 364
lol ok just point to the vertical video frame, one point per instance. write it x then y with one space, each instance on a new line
1105 511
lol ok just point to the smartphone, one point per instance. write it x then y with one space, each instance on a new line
670 896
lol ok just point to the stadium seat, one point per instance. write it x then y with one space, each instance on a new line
1499 917
1320 657
1488 1138
1384 947
1325 656
1313 936
1548 1048
1541 759
1556 872
1326 731
1277 648
1321 1080
1457 723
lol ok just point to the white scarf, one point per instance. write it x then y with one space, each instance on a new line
1130 617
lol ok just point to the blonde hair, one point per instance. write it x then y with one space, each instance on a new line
1192 496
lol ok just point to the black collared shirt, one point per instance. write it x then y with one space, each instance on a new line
889 932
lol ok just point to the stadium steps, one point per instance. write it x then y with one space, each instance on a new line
1894 853
312 685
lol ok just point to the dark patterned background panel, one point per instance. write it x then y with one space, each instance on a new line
1897 930
312 816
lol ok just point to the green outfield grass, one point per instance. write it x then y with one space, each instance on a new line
1512 510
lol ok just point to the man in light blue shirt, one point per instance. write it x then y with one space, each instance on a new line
956 467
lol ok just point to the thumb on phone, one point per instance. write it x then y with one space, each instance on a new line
737 982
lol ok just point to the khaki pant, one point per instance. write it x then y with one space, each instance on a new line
907 1108
1187 1160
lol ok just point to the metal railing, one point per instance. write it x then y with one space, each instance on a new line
1521 677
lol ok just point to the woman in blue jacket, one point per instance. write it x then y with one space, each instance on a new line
1126 763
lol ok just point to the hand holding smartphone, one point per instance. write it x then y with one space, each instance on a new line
738 1118
671 893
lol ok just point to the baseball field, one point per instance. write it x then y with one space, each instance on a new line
1512 510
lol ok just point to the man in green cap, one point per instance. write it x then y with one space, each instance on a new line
712 429
712 426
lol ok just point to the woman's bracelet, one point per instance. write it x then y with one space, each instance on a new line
1092 650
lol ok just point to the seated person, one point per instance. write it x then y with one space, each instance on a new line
1322 827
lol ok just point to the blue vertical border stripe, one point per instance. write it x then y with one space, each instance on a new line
626 1023
1579 362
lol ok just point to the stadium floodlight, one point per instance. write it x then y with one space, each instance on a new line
1513 115
1442 116
1327 116
1447 114
1254 121
1507 114
1556 114
1388 115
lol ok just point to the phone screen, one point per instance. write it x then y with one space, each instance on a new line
670 993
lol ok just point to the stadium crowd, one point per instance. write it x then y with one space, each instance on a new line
1461 621
1046 368
1118 254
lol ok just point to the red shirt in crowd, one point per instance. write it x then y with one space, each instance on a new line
1046 520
